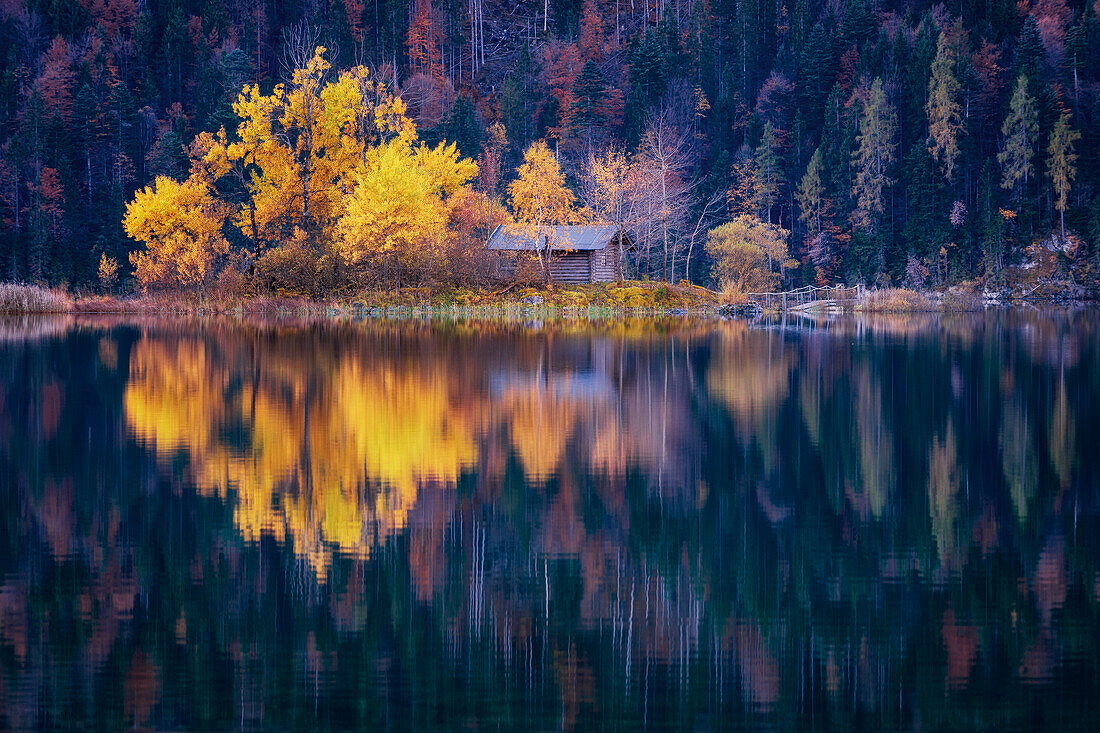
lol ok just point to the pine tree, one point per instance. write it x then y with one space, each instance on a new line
1021 132
945 123
1062 164
873 159
923 230
769 174
859 22
462 127
815 75
589 90
1030 54
811 194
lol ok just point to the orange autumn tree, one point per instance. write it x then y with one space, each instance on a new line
540 199
424 40
320 173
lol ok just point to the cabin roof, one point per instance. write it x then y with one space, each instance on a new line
574 237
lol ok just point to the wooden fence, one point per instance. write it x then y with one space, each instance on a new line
790 299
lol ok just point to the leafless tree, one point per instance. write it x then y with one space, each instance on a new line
706 217
663 163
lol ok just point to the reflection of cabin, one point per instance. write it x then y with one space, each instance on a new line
588 253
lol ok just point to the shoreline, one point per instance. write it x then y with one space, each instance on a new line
628 299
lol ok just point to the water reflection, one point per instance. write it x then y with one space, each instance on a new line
321 448
885 522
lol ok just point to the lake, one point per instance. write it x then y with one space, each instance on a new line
881 523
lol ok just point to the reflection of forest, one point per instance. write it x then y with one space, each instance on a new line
822 519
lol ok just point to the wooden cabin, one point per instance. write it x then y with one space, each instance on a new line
586 253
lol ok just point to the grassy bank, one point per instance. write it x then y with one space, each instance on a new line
604 299
625 297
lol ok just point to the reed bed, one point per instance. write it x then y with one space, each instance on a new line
21 299
894 300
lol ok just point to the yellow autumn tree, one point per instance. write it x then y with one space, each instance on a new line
745 252
398 209
181 227
323 172
540 199
297 154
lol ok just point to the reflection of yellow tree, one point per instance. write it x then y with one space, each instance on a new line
751 375
868 493
541 419
1063 432
1020 465
943 496
876 445
332 466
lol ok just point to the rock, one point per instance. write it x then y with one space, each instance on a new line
532 300
737 310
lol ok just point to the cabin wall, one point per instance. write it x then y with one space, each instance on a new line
570 267
605 264
594 266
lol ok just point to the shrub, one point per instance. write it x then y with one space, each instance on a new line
963 298
32 299
894 300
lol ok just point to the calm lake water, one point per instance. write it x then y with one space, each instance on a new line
880 523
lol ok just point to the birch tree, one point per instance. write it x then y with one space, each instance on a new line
663 163
540 199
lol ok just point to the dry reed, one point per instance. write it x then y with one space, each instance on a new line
32 299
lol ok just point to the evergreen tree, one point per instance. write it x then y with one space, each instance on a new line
647 74
1021 132
462 127
769 174
859 22
945 123
1062 164
816 69
1030 54
589 100
811 194
875 156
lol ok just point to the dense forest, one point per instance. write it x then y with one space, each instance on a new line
903 143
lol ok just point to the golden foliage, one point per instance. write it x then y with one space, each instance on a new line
539 196
181 226
744 252
398 205
107 271
328 170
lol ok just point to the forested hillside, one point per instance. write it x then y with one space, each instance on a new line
896 142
